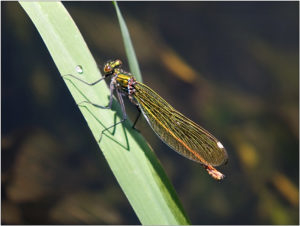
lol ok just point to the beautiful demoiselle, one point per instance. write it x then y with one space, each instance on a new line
177 131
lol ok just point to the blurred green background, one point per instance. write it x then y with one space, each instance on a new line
231 67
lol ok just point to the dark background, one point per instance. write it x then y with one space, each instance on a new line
232 67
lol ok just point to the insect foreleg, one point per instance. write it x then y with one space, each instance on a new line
79 79
111 88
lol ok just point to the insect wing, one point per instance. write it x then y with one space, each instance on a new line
177 131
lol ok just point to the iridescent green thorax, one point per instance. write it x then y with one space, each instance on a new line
125 82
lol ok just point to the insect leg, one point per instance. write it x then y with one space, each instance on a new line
123 111
137 118
90 84
111 88
121 103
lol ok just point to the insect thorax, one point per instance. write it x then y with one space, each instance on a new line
126 83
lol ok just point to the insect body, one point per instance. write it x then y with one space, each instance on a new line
177 131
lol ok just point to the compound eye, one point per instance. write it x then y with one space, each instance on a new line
107 69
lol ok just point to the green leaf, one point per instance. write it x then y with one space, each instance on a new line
132 161
132 60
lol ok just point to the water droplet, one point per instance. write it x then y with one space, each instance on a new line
79 69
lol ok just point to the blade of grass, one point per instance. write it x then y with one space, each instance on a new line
132 60
132 161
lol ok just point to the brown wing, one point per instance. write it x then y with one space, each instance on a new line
177 131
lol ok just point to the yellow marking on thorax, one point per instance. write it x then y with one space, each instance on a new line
122 80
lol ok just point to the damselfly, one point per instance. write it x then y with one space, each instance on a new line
177 131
